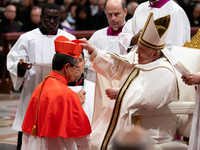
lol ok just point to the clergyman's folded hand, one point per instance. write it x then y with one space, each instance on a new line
81 96
24 65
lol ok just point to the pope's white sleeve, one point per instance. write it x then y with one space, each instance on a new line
107 65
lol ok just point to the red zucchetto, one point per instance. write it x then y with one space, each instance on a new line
65 46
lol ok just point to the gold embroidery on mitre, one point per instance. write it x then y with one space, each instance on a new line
154 33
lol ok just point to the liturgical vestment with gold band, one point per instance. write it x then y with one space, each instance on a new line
148 86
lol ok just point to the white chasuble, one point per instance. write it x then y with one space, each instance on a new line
101 40
148 86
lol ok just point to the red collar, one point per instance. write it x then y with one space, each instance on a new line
45 32
53 33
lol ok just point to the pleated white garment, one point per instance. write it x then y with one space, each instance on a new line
194 143
30 142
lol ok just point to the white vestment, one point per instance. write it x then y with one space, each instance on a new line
101 40
106 42
88 106
32 46
194 143
148 86
178 32
30 142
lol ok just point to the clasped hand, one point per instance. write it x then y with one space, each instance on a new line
112 93
24 65
81 96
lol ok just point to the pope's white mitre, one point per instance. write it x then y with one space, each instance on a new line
154 33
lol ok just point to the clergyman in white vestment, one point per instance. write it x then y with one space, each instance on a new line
36 46
178 32
107 39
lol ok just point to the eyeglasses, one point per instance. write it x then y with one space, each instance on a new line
80 60
75 67
55 19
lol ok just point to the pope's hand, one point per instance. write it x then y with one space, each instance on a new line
81 96
24 65
112 93
86 45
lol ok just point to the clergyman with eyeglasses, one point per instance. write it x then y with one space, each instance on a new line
55 118
36 46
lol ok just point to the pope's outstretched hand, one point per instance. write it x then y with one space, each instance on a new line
86 45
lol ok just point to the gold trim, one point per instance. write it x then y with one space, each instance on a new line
169 70
116 111
138 123
134 57
155 47
119 57
195 41
123 58
155 68
34 128
175 77
156 23
146 24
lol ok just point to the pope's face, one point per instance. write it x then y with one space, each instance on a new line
115 14
50 19
145 55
